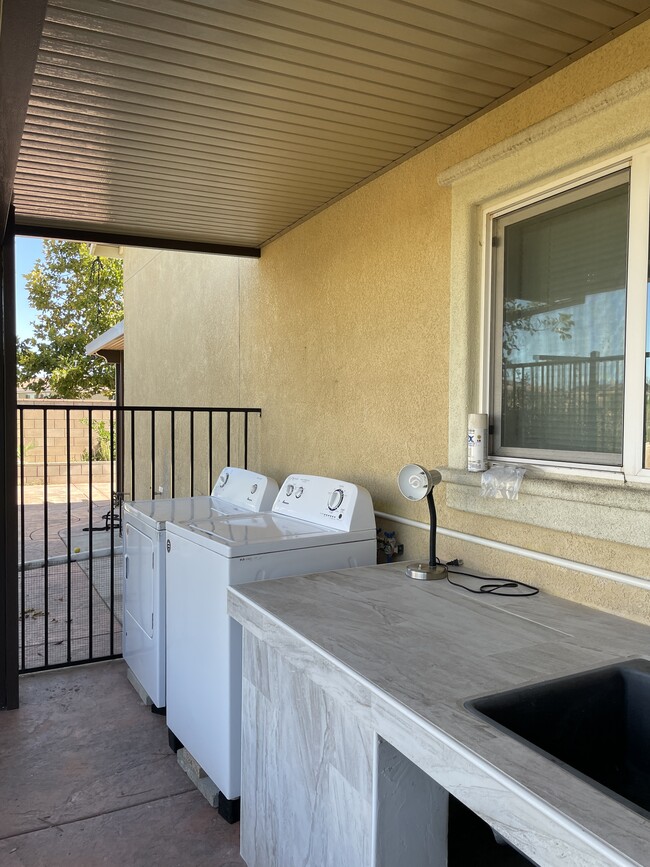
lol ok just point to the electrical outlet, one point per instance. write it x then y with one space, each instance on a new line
400 550
160 489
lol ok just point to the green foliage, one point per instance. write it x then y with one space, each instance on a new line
102 448
77 298
27 447
523 319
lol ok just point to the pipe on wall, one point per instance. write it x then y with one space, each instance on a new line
607 574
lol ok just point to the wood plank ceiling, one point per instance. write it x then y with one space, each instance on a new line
227 121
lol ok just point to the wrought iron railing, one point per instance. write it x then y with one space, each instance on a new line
564 403
70 565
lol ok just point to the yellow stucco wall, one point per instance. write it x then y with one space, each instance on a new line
341 334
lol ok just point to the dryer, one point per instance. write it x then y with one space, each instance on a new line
143 639
316 524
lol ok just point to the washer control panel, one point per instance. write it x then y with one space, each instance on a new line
245 488
328 502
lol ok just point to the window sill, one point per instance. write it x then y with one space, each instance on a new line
602 508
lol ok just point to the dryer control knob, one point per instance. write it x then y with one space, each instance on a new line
253 488
288 490
223 478
299 493
335 500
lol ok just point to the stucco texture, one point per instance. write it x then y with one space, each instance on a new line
341 334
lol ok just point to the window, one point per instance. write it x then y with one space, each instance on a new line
570 324
646 438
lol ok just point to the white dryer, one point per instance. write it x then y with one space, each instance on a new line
316 524
143 639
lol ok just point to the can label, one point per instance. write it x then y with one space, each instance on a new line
476 450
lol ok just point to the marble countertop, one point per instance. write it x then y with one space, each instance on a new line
428 647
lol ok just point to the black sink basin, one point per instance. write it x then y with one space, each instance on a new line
595 724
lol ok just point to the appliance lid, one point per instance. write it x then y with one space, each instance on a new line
262 533
156 513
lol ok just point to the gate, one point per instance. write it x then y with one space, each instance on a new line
76 466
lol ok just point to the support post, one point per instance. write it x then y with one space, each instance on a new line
8 478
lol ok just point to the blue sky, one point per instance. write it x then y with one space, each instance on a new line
27 252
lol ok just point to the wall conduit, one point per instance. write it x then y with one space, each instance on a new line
607 574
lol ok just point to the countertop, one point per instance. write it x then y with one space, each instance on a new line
426 647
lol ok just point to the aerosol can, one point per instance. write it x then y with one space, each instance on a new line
477 442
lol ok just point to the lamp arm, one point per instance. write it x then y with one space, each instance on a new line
433 529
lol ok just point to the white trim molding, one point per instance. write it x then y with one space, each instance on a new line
615 95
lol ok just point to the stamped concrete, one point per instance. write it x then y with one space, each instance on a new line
49 619
87 777
87 504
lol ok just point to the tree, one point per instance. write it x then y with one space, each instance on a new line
523 318
78 296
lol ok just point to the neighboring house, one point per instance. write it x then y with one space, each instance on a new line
30 394
360 332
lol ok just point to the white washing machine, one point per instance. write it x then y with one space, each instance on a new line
143 639
316 524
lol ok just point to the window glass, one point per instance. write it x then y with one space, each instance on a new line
561 295
646 439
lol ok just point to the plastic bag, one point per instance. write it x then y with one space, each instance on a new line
502 483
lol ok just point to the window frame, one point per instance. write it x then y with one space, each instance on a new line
637 161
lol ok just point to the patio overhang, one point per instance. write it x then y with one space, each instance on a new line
220 126
110 341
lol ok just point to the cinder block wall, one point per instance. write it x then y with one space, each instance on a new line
39 429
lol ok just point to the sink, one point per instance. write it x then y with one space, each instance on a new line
595 724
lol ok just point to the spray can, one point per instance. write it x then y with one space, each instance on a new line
477 442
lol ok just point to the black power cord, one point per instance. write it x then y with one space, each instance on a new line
491 587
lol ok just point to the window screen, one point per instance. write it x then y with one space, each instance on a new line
646 428
559 331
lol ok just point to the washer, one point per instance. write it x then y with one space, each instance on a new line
316 524
236 491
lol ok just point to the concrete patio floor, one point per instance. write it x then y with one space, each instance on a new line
82 512
87 778
68 608
70 611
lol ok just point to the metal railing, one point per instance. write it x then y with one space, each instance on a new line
70 564
565 403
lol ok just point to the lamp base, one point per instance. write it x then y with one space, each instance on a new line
424 572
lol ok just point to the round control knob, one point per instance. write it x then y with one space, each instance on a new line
299 493
335 500
223 478
288 490
253 488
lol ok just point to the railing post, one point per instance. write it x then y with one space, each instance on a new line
46 553
21 451
153 454
111 503
132 454
593 391
173 452
90 532
210 451
191 453
69 540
